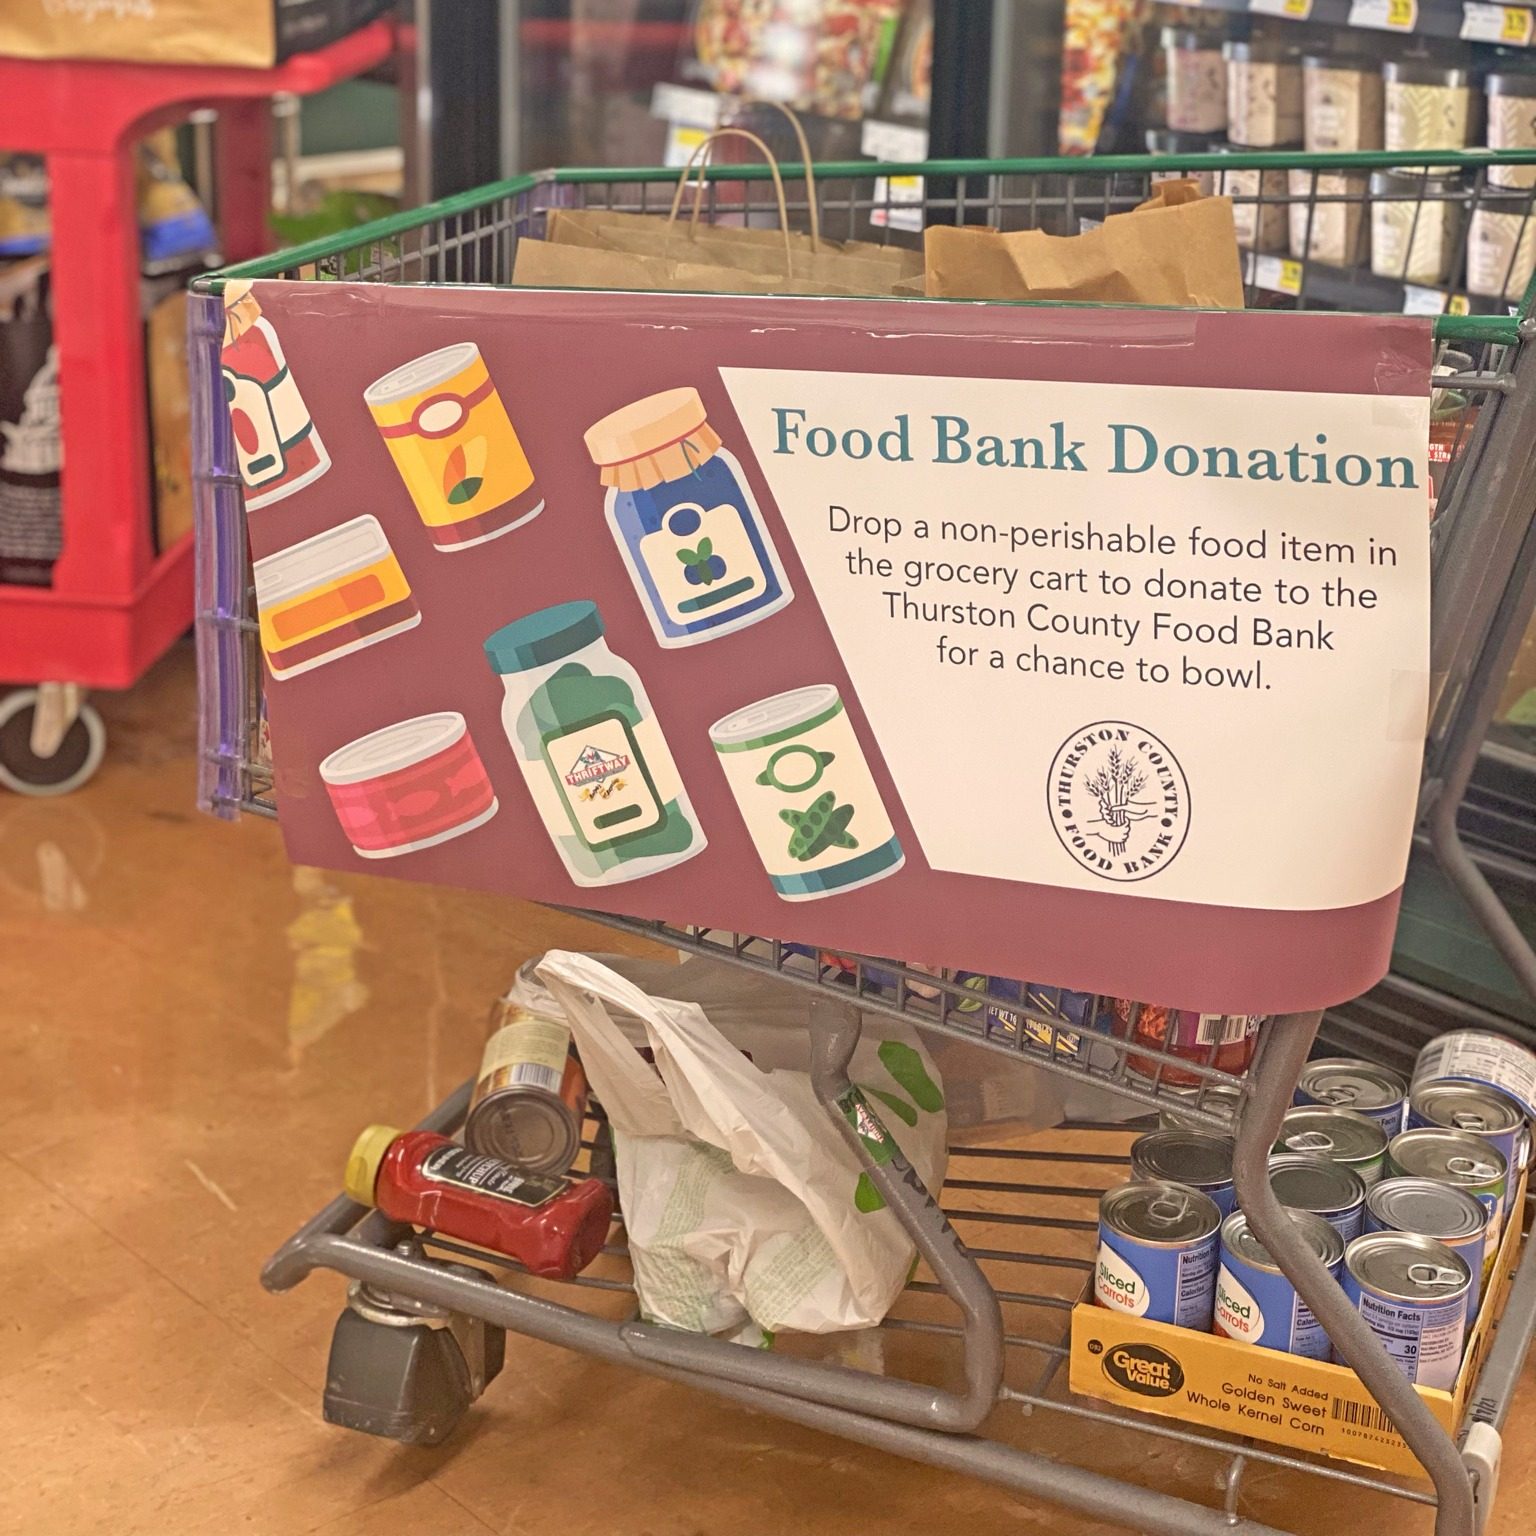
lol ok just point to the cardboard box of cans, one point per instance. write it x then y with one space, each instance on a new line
1308 1405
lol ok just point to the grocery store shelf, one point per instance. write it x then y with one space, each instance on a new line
1473 21
1358 288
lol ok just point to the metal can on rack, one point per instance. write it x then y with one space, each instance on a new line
1211 1098
1428 1208
1256 1302
1157 1253
1474 1107
1457 1158
1413 1292
1197 1158
1340 1135
530 1096
1344 1083
1304 1182
1477 1056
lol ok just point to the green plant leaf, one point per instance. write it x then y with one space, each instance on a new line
687 556
866 1197
906 1066
897 1106
706 548
465 490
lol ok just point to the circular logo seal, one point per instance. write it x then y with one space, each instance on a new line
1118 800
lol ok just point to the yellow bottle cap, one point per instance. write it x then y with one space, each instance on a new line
364 1159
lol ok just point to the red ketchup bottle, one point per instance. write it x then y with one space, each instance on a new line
553 1227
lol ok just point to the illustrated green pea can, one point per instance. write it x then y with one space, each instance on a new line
807 794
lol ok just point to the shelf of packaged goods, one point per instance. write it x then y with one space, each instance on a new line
1358 288
1473 21
115 602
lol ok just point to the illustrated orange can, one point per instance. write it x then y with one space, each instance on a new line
455 447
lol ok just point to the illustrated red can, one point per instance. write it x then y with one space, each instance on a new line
276 445
1225 1041
409 786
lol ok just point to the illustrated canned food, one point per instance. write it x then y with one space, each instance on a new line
1341 1135
455 447
1414 218
1474 1107
1476 1056
1330 1190
1210 1098
1457 1158
277 447
1431 1209
1197 80
1511 123
1157 1253
806 794
530 1097
591 749
1376 1092
1196 1158
409 786
1225 1041
1256 1303
1501 247
698 552
1413 1292
331 595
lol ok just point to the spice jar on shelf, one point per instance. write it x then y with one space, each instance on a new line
1501 245
591 749
1259 204
1414 222
1512 123
1264 95
1196 80
1428 104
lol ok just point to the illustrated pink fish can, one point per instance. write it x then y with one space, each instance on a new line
409 786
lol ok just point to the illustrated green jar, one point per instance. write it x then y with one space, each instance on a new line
591 750
806 793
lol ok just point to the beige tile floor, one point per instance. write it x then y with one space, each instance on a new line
191 1034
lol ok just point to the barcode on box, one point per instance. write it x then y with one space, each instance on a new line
530 1074
1362 1416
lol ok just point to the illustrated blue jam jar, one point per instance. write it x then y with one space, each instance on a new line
692 538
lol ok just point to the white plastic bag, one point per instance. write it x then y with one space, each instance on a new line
741 1199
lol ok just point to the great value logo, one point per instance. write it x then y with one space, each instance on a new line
1144 1369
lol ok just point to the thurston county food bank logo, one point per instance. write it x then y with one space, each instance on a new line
1118 800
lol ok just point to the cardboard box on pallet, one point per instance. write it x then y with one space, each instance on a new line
252 33
1306 1405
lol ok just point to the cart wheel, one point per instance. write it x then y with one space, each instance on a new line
409 1384
77 759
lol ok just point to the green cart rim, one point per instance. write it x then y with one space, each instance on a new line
1498 330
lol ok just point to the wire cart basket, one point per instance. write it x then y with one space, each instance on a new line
1006 1246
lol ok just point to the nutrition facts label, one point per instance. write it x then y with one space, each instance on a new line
1424 1341
1481 1058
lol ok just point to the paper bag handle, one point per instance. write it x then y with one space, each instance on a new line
812 202
698 192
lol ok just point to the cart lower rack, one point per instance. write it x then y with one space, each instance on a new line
1007 1249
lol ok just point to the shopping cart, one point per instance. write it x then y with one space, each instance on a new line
1014 1292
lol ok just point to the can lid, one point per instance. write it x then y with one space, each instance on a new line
662 437
1425 71
1352 1084
1426 1206
1406 1266
1260 51
1159 1211
1308 1183
1511 82
1434 1153
1466 1107
1196 1158
1342 1134
550 634
364 1159
1239 1238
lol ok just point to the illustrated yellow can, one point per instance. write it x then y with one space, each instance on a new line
455 447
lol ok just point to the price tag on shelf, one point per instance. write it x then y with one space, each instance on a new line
896 142
1385 15
1276 274
1292 10
1422 301
691 116
1460 304
1508 24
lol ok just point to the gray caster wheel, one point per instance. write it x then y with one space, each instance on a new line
405 1370
76 758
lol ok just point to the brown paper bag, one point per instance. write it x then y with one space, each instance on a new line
1178 248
